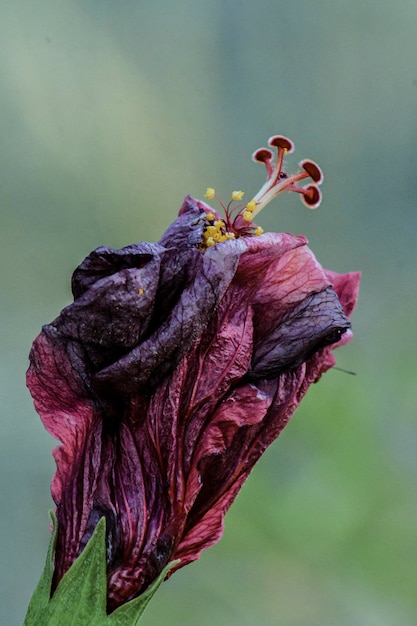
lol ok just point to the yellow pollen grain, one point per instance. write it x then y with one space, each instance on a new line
210 242
140 291
259 230
251 206
219 223
210 217
247 215
237 195
230 235
210 193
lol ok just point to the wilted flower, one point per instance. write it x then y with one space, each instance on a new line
176 366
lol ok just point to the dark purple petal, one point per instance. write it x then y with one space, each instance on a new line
187 229
317 321
148 362
104 262
296 311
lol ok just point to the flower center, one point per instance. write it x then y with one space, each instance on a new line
238 218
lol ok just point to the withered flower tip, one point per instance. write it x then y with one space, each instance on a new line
176 366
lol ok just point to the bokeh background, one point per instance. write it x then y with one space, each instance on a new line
110 113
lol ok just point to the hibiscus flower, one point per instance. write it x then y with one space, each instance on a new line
176 366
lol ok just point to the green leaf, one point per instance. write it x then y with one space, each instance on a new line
81 596
42 592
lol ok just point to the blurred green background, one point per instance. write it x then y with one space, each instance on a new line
110 113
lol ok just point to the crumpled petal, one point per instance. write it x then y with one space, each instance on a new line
296 309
